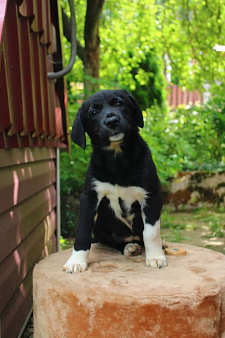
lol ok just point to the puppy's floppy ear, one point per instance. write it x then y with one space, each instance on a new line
78 131
137 112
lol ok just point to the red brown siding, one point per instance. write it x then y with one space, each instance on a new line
33 125
27 226
30 109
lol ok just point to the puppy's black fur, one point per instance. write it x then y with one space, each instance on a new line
125 163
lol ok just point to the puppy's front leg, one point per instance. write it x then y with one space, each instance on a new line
79 259
154 255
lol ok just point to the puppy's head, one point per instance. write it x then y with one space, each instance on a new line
107 116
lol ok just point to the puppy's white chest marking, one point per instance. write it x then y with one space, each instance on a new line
128 195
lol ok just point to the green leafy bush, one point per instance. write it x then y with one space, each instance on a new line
189 138
150 83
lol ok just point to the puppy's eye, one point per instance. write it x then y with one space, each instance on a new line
94 112
119 103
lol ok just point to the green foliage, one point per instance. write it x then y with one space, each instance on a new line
216 106
65 243
189 138
73 169
188 32
184 31
135 38
150 82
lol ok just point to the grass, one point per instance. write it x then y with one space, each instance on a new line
213 218
204 226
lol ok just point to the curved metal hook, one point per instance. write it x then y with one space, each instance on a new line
63 72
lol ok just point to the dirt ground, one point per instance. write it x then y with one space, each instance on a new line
204 227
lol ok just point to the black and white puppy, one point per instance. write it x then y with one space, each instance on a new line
121 202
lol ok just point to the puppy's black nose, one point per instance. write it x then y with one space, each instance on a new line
111 121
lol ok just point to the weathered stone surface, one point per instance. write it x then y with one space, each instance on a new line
120 297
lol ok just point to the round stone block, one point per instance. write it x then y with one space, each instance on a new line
119 296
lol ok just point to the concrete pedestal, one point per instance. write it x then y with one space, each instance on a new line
120 297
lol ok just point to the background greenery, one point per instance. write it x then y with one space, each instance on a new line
139 40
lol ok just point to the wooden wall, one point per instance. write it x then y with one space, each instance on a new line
33 124
27 227
31 112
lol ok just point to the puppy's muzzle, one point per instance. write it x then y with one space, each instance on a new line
111 121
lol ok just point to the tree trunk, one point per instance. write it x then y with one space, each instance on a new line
91 70
90 54
92 46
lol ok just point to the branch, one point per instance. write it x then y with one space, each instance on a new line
67 34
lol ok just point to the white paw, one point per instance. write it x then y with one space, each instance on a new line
75 268
156 261
77 262
132 249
